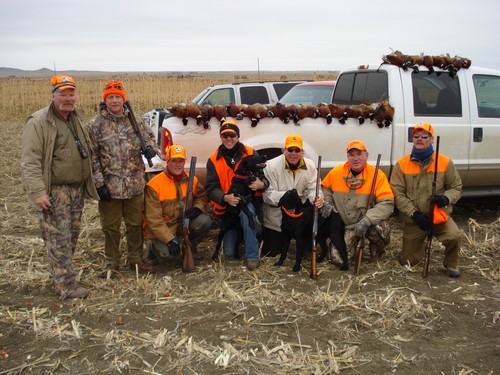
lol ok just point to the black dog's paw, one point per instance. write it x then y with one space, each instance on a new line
320 259
279 263
296 268
344 267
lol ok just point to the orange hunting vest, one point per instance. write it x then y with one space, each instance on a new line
225 175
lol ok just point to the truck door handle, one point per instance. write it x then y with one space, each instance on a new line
478 135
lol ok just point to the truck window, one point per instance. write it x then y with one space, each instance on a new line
361 88
282 88
220 97
254 94
487 95
436 94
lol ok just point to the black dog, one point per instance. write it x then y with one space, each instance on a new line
332 227
248 170
297 222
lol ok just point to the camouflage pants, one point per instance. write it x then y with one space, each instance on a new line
379 236
60 228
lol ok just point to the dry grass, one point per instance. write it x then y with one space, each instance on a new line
22 96
223 319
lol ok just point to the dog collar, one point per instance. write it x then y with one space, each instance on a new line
291 214
241 177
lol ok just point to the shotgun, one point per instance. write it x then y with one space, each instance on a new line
361 243
430 232
135 125
187 255
313 274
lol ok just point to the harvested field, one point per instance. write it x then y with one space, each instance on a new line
223 319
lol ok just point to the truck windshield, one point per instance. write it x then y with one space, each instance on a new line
308 95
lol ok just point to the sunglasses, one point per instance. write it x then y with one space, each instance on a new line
228 135
294 149
423 136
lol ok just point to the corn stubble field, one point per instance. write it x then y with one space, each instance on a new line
221 318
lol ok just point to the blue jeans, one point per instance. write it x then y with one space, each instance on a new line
249 236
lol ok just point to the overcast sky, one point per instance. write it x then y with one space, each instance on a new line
177 35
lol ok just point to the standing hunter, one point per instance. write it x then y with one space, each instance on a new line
56 174
118 171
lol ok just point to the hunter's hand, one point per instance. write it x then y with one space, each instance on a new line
319 201
43 202
173 248
104 193
149 152
257 184
421 220
231 200
193 213
362 228
441 200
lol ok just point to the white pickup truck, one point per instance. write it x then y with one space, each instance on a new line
463 106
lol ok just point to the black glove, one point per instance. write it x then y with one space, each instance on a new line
192 213
290 199
441 200
173 248
104 193
422 221
149 152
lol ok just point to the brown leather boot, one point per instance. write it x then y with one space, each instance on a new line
142 267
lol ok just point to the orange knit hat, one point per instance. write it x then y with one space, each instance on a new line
114 87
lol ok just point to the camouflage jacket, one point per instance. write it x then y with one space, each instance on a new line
117 161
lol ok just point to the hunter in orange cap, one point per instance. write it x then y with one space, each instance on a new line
347 188
162 218
412 181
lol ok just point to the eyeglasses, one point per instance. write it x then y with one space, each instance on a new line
423 136
294 149
228 135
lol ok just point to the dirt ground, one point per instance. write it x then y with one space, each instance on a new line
222 319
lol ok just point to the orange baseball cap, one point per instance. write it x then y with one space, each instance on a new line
229 126
114 87
175 152
424 126
294 140
62 82
357 144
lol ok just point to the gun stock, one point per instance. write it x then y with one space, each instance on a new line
430 232
135 125
371 197
313 274
187 255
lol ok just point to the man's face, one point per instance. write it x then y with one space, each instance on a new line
229 139
64 100
422 140
114 103
293 154
176 166
357 159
